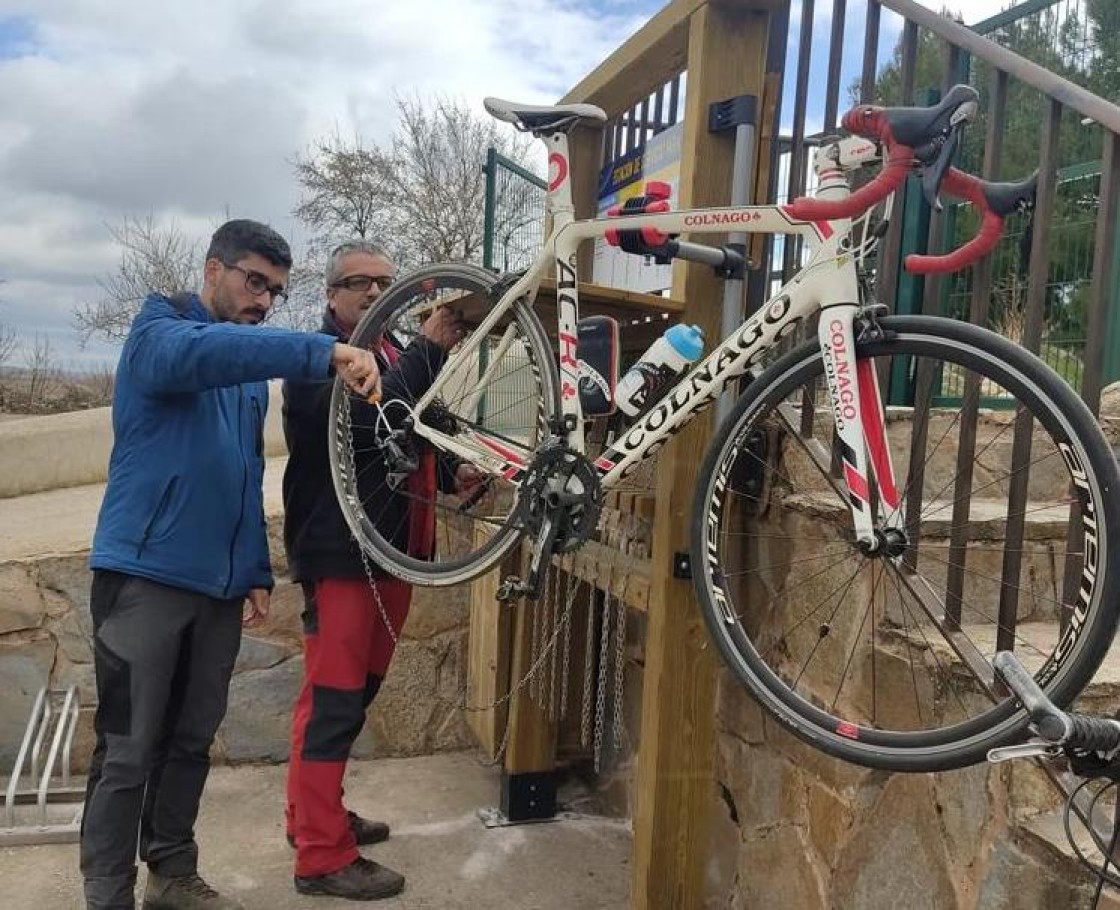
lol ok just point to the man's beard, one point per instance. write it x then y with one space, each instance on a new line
230 312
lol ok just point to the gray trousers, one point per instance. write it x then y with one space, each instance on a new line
163 659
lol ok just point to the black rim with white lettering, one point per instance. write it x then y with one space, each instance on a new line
505 391
851 650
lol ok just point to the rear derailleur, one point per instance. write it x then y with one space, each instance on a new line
400 446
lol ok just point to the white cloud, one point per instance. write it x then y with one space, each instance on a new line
192 111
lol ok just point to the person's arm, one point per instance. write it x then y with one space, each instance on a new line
168 354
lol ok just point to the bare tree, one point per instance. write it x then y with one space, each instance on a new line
99 381
303 310
41 373
347 191
422 196
154 257
8 341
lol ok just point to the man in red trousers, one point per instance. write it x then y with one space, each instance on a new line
347 646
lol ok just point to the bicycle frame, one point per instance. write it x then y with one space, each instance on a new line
828 284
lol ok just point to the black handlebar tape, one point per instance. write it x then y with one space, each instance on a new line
1093 734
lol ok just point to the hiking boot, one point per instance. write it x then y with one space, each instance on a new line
366 832
362 880
184 892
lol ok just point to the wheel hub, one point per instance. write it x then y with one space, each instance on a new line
889 542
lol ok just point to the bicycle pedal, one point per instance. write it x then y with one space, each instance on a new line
511 589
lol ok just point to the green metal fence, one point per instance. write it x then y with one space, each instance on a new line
1061 36
513 226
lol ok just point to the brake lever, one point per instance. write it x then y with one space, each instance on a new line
933 174
1033 748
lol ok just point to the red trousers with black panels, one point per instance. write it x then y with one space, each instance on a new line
347 650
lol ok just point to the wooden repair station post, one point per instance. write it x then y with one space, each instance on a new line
723 46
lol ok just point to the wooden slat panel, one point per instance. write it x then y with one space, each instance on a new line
532 735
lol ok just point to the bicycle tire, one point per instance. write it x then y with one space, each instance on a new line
395 305
1057 411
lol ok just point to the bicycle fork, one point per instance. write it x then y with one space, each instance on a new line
861 432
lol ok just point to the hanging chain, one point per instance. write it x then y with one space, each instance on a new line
554 618
588 655
566 650
565 620
535 637
619 663
601 687
365 559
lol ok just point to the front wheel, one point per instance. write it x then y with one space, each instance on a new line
405 499
884 658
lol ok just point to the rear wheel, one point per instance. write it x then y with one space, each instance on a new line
505 392
885 659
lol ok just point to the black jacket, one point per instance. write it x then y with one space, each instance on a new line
317 539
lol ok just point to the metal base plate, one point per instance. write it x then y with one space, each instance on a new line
493 817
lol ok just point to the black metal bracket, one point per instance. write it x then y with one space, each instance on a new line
528 797
741 110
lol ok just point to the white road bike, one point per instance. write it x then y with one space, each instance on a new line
852 545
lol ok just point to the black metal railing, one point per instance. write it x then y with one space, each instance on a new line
1053 288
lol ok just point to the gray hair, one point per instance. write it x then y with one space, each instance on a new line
334 261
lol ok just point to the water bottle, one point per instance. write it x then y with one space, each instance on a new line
665 358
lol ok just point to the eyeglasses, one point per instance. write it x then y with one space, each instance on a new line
362 283
257 284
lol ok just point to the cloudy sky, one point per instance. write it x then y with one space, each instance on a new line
193 111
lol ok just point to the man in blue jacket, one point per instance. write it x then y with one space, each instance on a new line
180 549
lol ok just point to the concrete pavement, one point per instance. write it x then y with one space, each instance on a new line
451 860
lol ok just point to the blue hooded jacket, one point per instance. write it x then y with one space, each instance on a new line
184 504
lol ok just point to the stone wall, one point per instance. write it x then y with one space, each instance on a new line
45 634
792 827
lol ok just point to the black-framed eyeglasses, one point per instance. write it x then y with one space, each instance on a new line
257 284
362 283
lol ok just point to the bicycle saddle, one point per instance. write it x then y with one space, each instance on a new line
534 118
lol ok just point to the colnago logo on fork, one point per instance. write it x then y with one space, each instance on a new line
860 422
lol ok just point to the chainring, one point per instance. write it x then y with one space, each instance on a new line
565 485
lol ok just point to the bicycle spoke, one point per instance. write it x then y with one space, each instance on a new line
831 619
945 673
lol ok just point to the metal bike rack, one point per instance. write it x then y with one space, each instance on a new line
54 717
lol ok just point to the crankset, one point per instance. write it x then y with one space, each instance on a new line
558 504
